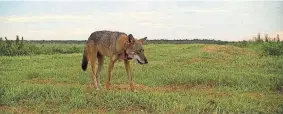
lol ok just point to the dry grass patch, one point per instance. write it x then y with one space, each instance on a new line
231 50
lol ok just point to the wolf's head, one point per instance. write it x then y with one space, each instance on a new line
135 49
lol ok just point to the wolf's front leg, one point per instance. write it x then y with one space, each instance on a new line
129 73
110 70
113 59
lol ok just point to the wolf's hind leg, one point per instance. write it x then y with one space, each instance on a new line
92 56
100 67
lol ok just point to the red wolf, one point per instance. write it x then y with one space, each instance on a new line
115 45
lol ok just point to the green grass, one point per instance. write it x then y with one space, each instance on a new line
191 78
9 48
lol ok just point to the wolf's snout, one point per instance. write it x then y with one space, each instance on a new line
142 61
145 61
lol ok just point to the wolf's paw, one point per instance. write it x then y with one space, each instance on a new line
91 86
132 87
108 85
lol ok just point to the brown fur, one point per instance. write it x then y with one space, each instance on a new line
113 45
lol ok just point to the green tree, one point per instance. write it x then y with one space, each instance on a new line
258 39
278 39
266 37
8 46
17 40
1 44
21 45
22 40
1 40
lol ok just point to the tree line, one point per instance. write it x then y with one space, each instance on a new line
270 46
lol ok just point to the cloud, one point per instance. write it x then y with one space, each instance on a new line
56 34
39 18
96 15
81 25
206 10
98 18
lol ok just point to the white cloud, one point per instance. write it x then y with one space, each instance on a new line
206 10
39 18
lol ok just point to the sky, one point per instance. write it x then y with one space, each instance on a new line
76 20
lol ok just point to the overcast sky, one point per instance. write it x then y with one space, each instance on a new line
74 20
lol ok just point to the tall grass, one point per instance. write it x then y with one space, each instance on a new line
267 48
267 45
18 48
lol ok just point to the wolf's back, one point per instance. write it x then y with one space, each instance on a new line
104 39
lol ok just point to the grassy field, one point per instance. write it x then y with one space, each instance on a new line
192 78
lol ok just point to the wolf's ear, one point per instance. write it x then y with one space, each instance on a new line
142 40
131 38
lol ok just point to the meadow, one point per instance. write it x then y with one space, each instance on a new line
180 78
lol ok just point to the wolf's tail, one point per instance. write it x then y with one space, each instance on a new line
84 61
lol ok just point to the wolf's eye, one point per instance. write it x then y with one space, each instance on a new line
139 51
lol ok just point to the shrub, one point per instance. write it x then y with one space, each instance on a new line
17 48
267 48
273 48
